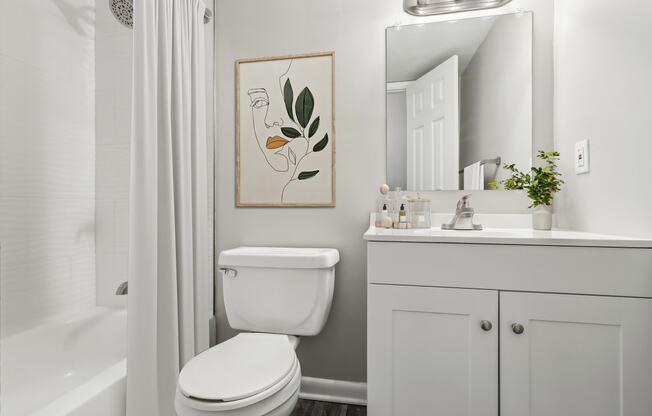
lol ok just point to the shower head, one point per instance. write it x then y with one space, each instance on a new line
123 10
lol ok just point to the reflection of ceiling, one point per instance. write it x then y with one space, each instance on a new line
414 50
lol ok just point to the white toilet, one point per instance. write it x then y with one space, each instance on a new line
278 294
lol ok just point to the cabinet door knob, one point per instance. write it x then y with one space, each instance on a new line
517 328
486 325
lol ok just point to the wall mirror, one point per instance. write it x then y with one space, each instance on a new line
459 102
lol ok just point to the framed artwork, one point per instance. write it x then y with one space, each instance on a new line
285 131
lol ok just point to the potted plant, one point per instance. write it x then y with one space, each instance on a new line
541 184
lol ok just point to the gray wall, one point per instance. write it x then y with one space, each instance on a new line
496 98
355 30
602 93
396 141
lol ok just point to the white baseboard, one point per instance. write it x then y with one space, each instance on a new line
335 391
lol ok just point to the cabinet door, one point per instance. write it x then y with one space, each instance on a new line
576 355
428 353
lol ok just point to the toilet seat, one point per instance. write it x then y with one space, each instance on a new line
240 372
264 403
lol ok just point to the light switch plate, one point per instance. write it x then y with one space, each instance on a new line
582 157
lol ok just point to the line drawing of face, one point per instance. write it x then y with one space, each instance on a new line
268 117
265 126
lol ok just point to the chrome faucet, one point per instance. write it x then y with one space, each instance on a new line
463 219
123 289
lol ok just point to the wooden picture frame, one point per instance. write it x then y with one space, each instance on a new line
285 131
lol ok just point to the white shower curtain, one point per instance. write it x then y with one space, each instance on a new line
169 276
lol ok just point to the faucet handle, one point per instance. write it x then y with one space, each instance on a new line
463 202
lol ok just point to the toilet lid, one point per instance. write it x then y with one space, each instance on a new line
238 368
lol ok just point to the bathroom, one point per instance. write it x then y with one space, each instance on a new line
74 343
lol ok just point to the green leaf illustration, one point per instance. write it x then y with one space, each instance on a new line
320 145
304 106
292 156
313 128
290 132
288 96
307 174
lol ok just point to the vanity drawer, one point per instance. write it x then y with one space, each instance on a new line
553 269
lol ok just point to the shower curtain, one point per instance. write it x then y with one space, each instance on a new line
169 277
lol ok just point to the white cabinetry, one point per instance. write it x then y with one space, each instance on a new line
576 356
428 352
450 331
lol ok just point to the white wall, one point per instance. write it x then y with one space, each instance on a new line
355 30
496 98
603 92
47 162
113 49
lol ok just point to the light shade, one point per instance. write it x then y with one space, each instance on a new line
432 7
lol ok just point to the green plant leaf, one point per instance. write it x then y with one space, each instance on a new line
304 106
307 174
290 132
288 96
540 183
320 145
292 156
313 127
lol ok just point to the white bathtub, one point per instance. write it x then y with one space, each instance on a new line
71 368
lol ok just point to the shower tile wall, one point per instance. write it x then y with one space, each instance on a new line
113 46
47 161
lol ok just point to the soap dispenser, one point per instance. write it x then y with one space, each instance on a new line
402 217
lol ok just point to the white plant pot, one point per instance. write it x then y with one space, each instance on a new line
542 218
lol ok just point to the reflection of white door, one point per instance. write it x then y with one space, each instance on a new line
433 129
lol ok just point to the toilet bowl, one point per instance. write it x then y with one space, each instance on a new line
279 294
248 375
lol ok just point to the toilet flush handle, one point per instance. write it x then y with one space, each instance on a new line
229 272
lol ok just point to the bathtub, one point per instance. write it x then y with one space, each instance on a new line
71 368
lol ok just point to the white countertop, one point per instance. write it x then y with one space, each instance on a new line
513 236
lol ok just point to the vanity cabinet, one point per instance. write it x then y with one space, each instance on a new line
490 329
428 354
577 355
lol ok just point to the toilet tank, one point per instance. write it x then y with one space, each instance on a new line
278 290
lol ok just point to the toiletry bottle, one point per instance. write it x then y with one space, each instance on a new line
402 217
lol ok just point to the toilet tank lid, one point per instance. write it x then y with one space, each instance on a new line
280 257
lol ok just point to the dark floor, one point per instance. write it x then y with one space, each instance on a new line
313 408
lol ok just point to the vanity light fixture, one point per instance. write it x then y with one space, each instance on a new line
432 7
